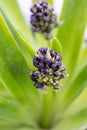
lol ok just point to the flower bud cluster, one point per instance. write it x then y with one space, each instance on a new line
50 69
42 17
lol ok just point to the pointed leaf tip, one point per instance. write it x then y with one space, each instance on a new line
56 45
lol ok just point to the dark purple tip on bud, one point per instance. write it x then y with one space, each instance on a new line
46 19
43 51
36 61
52 65
52 53
46 13
52 19
41 66
35 75
38 14
34 28
59 58
44 4
46 72
56 74
33 18
39 85
33 9
57 68
39 9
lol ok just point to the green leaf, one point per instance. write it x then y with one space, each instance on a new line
16 57
82 60
76 87
10 111
23 45
8 80
14 66
49 1
74 15
4 93
15 113
80 101
56 45
13 12
76 121
13 125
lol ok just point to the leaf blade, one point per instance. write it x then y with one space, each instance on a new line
77 87
12 11
72 31
56 45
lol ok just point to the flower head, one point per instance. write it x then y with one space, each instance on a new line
50 69
42 18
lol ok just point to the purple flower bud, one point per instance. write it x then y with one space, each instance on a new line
43 51
46 72
56 74
35 75
36 61
52 65
39 85
57 67
33 18
36 29
52 53
42 58
33 9
63 69
59 58
52 19
46 19
46 13
41 66
44 4
39 9
38 15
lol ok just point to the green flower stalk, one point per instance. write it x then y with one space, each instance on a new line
50 69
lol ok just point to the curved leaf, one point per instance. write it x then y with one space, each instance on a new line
50 1
77 87
12 11
11 112
76 121
74 15
56 45
14 66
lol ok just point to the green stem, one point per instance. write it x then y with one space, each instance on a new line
48 104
